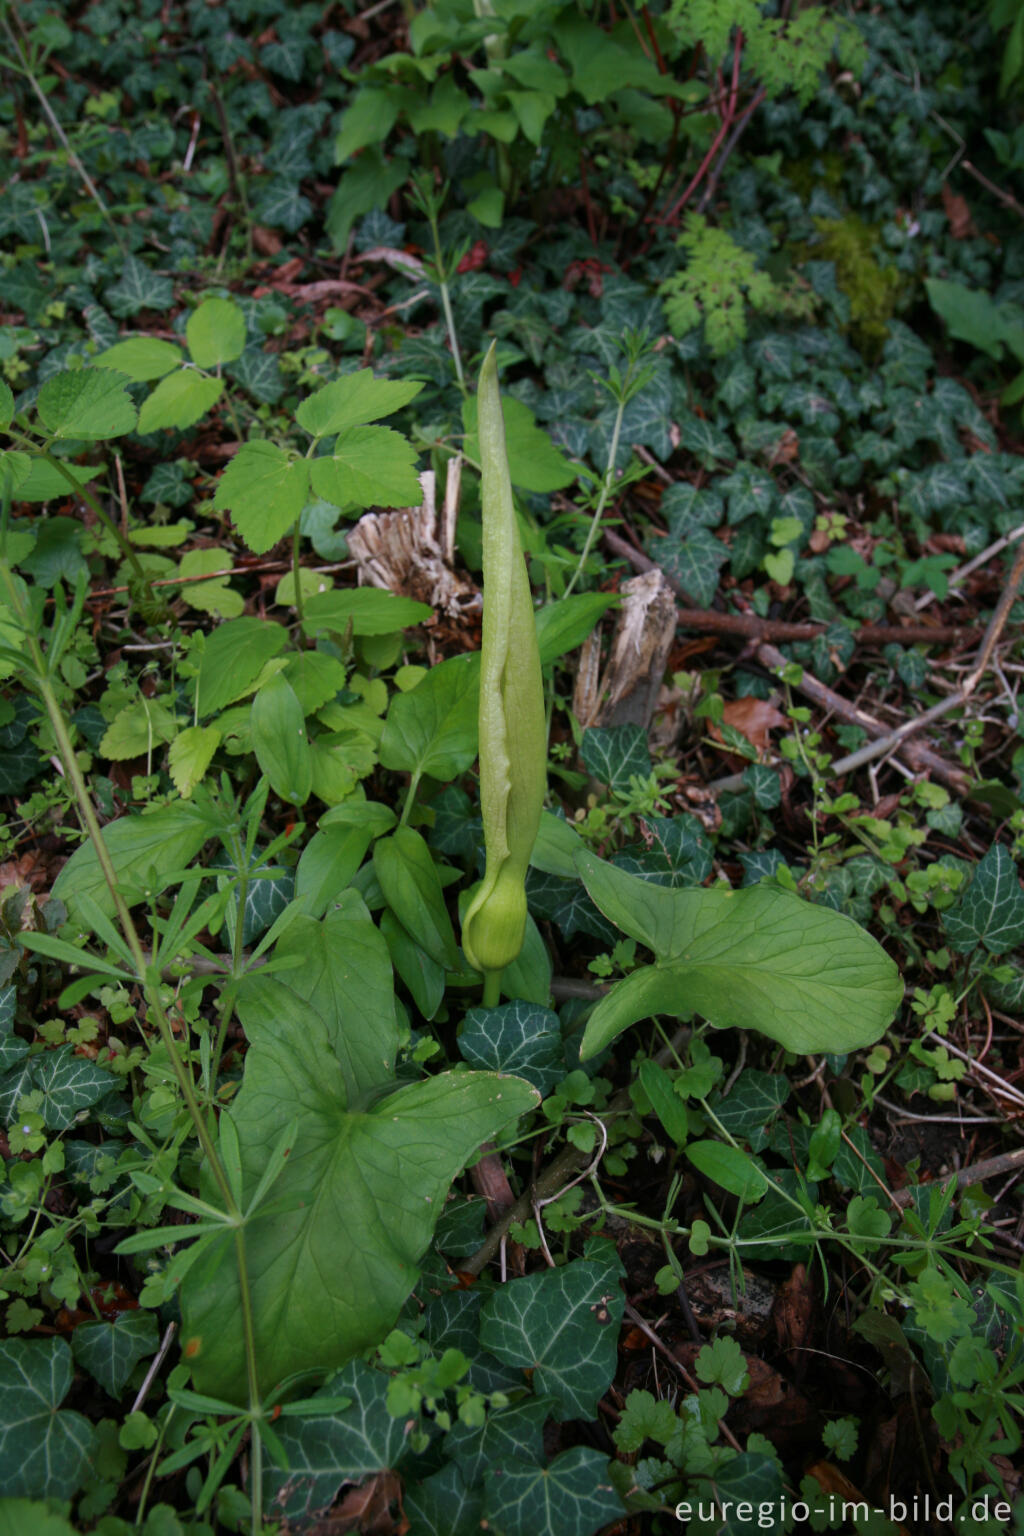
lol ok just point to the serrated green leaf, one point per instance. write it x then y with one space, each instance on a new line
215 333
179 400
6 405
142 358
88 405
352 401
563 1326
265 489
189 756
369 466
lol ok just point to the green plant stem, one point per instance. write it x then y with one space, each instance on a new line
26 69
492 989
296 571
446 303
96 506
602 500
149 980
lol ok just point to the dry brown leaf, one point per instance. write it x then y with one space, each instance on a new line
754 718
961 225
794 1309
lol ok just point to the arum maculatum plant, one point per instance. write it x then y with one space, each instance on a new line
513 731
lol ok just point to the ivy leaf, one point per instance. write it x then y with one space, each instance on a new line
215 333
90 404
678 852
12 1049
442 1505
695 563
69 1084
352 401
991 910
614 754
513 1434
570 1497
265 489
259 374
338 1446
139 288
282 205
566 903
754 1101
706 441
368 467
111 1351
44 1453
179 400
518 1037
563 1326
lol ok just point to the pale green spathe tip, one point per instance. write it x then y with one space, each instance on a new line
513 730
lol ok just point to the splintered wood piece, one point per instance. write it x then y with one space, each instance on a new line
411 553
645 628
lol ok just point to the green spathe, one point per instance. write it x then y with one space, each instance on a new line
513 735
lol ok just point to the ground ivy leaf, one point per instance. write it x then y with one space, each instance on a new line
562 1325
329 1277
265 489
991 910
179 400
514 1434
570 1497
352 401
111 1351
676 852
369 467
518 1037
88 405
344 1446
753 1102
44 1453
